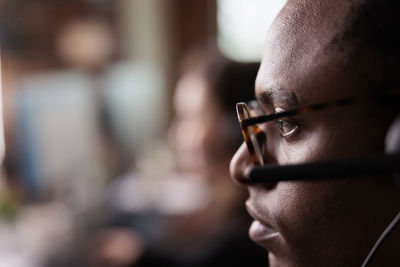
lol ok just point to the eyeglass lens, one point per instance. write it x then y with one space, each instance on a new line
252 134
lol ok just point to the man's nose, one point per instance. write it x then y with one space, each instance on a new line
240 166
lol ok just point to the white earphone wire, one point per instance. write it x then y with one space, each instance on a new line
381 239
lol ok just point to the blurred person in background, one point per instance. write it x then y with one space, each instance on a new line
204 133
199 212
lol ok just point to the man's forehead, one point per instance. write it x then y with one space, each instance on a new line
304 29
296 44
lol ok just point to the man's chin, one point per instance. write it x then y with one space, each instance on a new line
276 262
272 260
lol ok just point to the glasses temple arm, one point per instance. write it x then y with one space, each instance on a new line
265 118
297 111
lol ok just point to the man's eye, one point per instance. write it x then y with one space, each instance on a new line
287 128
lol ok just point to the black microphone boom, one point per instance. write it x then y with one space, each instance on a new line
367 166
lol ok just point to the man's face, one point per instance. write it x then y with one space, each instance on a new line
308 223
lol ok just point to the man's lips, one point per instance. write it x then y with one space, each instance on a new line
260 231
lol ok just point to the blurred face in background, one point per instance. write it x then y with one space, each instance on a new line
195 126
308 223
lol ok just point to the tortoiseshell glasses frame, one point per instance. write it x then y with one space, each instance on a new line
249 116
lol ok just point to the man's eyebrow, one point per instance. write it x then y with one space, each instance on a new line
279 97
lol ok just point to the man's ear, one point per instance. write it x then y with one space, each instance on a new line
392 143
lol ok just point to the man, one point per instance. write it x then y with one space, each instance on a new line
320 51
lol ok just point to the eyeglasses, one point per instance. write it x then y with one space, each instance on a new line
250 115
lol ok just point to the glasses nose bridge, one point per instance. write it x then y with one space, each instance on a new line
254 136
260 134
259 142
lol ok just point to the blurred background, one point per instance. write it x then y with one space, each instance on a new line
117 129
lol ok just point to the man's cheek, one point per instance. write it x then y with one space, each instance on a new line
309 147
292 205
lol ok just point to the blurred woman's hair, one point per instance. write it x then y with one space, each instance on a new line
229 82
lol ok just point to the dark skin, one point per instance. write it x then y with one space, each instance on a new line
327 223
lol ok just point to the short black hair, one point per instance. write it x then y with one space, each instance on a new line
371 39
